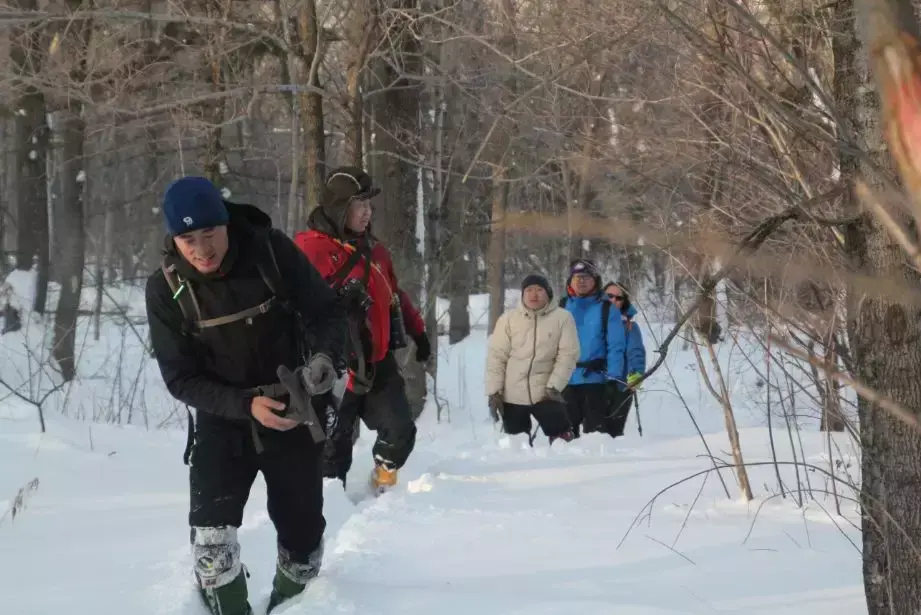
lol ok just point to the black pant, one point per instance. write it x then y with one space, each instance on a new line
223 467
595 407
621 402
550 415
384 409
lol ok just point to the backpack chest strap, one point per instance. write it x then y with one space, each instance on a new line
262 308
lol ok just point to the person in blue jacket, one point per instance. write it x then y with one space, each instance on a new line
603 347
625 387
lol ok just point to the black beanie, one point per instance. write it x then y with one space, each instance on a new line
539 280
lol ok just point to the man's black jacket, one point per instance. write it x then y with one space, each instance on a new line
214 372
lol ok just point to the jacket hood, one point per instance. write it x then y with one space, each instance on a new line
242 215
330 220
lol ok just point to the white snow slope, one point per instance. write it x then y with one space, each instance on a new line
480 522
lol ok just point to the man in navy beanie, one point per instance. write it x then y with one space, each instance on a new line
236 299
193 203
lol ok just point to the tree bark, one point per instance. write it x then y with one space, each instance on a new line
362 34
312 122
883 339
70 216
396 126
31 156
496 256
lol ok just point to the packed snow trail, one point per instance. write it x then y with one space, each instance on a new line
479 523
482 525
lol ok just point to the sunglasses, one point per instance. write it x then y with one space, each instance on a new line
615 297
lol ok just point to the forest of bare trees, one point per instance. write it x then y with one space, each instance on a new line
681 143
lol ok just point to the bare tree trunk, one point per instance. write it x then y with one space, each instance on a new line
397 122
883 338
456 259
215 112
70 235
732 431
314 135
361 32
26 45
72 243
832 417
496 257
500 186
731 428
103 251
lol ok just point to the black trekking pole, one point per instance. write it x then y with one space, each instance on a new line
639 423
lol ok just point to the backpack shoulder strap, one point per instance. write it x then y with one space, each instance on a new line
605 316
275 282
182 293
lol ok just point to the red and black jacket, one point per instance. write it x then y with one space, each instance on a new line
328 254
328 250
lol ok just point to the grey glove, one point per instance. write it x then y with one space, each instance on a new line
495 405
319 375
554 395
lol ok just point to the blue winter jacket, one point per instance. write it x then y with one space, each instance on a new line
586 311
636 351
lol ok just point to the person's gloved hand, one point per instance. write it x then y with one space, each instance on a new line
495 405
319 375
423 348
554 395
633 380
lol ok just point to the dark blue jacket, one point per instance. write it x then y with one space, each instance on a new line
586 311
636 351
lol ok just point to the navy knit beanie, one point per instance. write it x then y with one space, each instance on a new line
539 280
192 203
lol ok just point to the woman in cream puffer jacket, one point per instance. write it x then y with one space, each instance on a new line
532 353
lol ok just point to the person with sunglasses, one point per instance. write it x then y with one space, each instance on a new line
624 387
603 346
354 262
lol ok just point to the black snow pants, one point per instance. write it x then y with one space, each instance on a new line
621 402
384 409
224 464
550 415
597 407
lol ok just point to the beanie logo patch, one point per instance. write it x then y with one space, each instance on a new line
188 221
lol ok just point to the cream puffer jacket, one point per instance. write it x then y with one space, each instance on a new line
531 351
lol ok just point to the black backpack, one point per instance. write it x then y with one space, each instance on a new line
184 295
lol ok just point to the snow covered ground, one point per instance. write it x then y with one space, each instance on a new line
480 522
